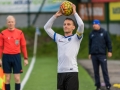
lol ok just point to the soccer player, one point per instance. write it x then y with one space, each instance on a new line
99 44
11 40
68 48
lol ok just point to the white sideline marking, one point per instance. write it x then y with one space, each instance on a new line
28 73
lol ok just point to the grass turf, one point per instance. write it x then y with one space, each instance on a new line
44 76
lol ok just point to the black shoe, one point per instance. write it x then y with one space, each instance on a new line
98 88
108 88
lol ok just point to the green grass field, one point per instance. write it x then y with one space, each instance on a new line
43 76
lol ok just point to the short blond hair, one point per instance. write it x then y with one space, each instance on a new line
9 17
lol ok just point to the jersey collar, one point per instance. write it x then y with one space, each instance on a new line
11 30
68 36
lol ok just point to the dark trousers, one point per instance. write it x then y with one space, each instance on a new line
98 60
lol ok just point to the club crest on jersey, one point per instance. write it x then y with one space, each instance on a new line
101 34
92 35
69 39
16 42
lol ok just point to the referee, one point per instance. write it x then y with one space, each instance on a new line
68 48
11 40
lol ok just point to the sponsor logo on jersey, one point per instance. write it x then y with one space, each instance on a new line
60 40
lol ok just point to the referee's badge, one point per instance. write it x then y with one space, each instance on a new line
69 39
16 42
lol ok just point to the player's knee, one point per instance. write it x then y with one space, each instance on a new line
17 79
7 80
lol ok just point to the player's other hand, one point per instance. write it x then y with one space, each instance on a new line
58 13
74 8
89 57
0 62
109 54
25 62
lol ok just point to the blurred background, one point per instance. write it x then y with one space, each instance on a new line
32 14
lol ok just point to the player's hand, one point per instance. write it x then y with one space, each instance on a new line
0 62
89 56
25 62
58 13
109 54
74 8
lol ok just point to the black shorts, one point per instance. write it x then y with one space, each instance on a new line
67 81
12 63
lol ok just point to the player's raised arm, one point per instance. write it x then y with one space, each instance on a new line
80 23
49 24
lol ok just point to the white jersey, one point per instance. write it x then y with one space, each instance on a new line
68 47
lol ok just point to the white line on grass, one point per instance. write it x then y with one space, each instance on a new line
28 73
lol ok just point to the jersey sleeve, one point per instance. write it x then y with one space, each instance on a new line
89 43
1 44
56 37
80 28
48 28
23 46
108 42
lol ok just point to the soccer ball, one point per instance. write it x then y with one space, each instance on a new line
66 8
